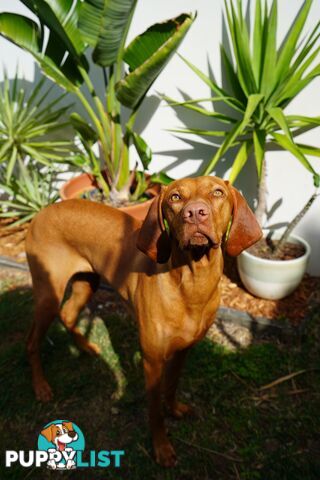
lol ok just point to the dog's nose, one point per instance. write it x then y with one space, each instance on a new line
195 212
72 433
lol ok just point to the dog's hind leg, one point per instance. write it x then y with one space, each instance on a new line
48 296
83 287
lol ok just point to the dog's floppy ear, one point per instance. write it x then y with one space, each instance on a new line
47 433
153 239
245 230
68 425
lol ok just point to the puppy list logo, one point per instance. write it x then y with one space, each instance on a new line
61 446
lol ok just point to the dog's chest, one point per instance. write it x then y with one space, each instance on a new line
174 315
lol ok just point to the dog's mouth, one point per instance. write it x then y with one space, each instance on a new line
202 239
199 239
61 446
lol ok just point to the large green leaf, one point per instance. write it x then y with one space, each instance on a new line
196 108
26 34
287 144
143 149
84 129
278 116
268 80
147 55
161 177
231 101
259 141
294 78
104 24
237 130
241 48
253 102
21 30
232 77
309 149
302 120
240 160
288 49
61 17
198 131
227 143
257 42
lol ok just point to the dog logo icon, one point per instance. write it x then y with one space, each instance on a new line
61 439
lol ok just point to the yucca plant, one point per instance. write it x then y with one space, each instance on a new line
72 27
28 123
29 190
263 79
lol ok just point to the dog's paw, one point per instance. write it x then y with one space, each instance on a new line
180 410
43 391
165 455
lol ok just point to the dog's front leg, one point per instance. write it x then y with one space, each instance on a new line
164 452
171 379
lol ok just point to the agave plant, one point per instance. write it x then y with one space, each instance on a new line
27 125
263 79
72 27
29 190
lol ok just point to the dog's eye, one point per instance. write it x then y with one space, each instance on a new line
175 197
218 193
58 433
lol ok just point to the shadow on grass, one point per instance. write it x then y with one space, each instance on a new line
240 431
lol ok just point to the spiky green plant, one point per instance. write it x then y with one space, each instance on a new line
263 80
28 191
28 123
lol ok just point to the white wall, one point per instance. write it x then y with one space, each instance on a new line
287 179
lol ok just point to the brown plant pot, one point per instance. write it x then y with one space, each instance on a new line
86 182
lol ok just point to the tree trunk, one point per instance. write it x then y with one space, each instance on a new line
261 210
280 245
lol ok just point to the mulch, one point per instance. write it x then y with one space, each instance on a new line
294 307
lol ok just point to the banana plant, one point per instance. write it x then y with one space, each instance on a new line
263 80
59 42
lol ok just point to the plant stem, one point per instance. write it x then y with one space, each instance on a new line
105 131
97 172
261 209
293 224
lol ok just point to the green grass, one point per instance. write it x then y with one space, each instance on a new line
239 431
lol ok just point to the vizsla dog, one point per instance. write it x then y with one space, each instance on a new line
167 269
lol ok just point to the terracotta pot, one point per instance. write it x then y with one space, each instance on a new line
77 185
86 182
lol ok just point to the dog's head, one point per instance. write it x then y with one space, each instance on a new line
60 434
197 212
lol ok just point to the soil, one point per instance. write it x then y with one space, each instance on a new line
233 295
265 249
97 195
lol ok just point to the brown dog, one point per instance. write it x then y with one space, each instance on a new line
172 288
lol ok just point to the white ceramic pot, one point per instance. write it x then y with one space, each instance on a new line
273 279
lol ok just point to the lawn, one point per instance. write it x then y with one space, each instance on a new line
239 432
